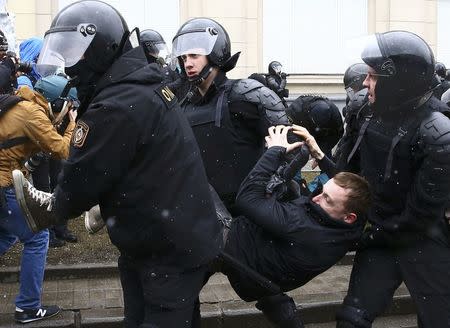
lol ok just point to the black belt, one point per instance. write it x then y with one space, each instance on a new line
13 142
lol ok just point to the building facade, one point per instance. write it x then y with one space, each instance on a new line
312 39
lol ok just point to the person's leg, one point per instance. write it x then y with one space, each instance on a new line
170 296
426 270
34 255
60 231
40 176
374 279
133 297
53 240
281 310
7 239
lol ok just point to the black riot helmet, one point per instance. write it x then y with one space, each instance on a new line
446 97
90 30
440 69
205 36
154 44
404 64
354 77
320 117
275 68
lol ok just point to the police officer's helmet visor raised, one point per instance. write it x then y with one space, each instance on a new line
64 47
375 55
277 67
157 48
195 42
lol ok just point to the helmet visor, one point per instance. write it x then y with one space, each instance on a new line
196 42
374 55
277 68
64 47
159 49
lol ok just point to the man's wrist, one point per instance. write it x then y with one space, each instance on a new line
320 155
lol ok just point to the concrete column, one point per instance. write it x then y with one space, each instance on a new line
33 17
417 16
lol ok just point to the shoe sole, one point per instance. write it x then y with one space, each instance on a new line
88 227
37 319
19 182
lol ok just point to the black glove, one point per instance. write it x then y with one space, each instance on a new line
375 236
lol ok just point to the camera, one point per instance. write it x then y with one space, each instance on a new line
24 67
34 161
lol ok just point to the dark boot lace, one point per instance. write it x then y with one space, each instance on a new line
42 197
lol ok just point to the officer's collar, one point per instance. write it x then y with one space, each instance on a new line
218 81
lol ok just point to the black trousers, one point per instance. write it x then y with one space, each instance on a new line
424 267
159 297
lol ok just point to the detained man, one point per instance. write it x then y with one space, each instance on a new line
291 242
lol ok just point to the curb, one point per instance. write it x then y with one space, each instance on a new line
93 270
225 315
62 271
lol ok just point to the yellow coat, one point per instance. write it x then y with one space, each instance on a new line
29 118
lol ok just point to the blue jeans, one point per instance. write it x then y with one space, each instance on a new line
34 254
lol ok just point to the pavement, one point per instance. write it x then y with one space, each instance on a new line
91 296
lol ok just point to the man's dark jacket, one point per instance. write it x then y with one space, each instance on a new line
135 155
287 242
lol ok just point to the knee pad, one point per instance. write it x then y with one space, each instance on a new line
352 317
280 310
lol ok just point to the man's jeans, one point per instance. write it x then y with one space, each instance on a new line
34 252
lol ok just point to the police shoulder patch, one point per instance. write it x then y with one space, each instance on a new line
166 95
79 134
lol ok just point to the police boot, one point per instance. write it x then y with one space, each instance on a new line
93 220
36 205
281 311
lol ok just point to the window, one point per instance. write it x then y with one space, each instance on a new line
311 36
443 26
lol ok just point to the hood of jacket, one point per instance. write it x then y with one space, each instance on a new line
8 101
131 67
29 51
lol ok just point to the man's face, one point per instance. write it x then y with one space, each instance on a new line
194 64
332 200
370 82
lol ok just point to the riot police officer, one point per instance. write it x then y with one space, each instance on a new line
156 51
402 148
154 46
442 84
323 119
276 79
131 150
229 118
353 82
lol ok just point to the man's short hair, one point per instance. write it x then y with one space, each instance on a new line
359 195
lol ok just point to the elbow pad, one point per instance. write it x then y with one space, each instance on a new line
267 100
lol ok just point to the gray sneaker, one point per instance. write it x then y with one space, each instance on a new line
36 205
93 220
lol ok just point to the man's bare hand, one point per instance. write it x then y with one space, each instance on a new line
310 141
278 137
72 115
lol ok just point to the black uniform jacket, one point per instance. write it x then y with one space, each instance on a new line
410 178
287 242
230 135
134 154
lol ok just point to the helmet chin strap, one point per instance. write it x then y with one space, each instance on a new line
202 76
